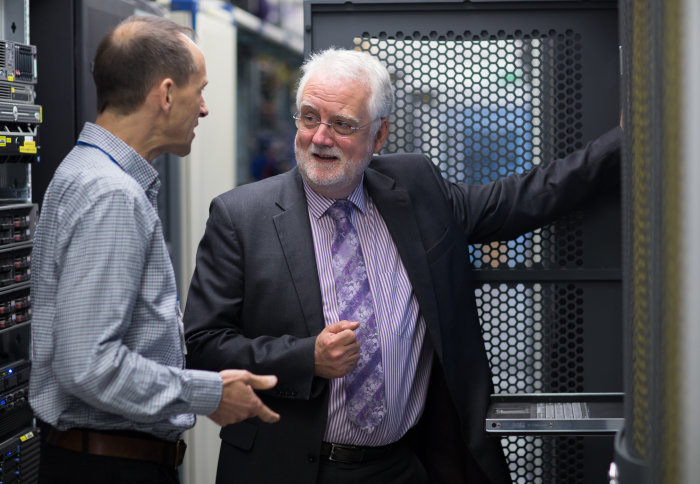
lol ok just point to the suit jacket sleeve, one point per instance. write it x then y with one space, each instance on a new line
516 204
236 314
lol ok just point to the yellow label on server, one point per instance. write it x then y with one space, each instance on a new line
28 147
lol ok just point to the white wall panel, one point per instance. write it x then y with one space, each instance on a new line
208 171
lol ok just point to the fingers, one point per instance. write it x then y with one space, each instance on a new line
262 382
341 333
341 326
346 338
334 345
239 400
267 415
246 405
336 353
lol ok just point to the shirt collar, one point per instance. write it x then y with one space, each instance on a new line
318 204
123 155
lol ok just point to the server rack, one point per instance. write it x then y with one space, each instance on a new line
20 154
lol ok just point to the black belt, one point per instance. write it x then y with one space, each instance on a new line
111 444
353 454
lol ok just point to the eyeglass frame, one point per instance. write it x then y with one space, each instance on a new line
297 118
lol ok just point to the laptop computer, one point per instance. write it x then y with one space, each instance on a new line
555 413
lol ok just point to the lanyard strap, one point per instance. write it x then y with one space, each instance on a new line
83 143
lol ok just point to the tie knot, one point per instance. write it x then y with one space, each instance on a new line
340 210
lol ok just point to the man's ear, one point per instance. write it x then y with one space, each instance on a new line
381 136
165 94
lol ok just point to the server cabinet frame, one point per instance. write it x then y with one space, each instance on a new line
486 89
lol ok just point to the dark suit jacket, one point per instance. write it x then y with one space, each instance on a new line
255 302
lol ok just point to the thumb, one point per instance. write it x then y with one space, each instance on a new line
341 326
262 382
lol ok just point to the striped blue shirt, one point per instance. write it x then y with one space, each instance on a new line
407 361
107 348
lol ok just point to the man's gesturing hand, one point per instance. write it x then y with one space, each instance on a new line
239 401
337 350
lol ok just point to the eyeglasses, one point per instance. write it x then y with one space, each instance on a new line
309 122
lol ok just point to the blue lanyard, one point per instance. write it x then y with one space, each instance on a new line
83 143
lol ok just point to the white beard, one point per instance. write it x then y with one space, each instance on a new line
334 177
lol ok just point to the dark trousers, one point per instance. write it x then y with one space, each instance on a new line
401 466
60 466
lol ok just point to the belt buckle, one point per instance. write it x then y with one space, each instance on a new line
331 455
348 453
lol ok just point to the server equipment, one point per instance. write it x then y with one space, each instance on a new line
19 458
17 62
19 143
20 119
556 413
15 92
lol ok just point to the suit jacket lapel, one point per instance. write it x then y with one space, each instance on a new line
396 208
294 232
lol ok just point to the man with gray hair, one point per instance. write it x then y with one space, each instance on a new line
107 380
349 278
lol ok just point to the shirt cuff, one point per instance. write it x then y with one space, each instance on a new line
205 390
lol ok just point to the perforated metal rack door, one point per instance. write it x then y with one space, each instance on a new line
490 89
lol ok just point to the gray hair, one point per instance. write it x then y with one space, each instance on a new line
353 65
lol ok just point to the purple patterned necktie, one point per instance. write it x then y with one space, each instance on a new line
364 386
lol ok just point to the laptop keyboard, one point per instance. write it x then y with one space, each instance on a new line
562 410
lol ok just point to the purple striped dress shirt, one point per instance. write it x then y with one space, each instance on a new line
407 361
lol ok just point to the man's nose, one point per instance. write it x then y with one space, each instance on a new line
323 135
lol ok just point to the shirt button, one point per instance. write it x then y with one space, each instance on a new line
312 458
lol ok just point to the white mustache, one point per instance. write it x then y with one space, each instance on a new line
325 152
